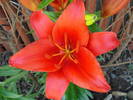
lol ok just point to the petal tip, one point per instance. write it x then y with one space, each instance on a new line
41 24
107 88
104 87
102 42
15 61
11 61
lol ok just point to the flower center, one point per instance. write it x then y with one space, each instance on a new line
66 51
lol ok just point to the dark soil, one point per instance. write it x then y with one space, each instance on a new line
121 79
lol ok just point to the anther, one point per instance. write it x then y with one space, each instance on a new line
57 54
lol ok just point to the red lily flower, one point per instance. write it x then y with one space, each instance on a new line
111 7
66 51
59 4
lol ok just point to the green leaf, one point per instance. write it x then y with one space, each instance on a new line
100 58
52 15
41 80
9 94
95 28
89 94
71 93
98 14
25 98
75 93
70 1
14 78
8 71
12 87
44 3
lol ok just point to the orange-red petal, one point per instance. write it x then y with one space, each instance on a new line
56 85
36 57
102 42
41 24
87 74
72 23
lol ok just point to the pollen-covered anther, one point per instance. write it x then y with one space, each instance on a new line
66 51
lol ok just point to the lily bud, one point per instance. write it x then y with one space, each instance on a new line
30 4
111 7
59 4
33 4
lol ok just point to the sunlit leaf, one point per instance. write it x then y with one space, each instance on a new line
92 18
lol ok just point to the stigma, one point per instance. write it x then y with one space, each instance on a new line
66 51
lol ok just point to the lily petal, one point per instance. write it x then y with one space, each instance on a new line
102 42
41 24
72 23
86 74
35 57
56 85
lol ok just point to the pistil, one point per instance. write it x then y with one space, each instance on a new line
66 51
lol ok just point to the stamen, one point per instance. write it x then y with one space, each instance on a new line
65 51
73 50
74 60
58 46
63 58
65 39
57 54
76 49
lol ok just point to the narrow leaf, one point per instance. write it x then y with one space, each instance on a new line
44 3
8 94
52 15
